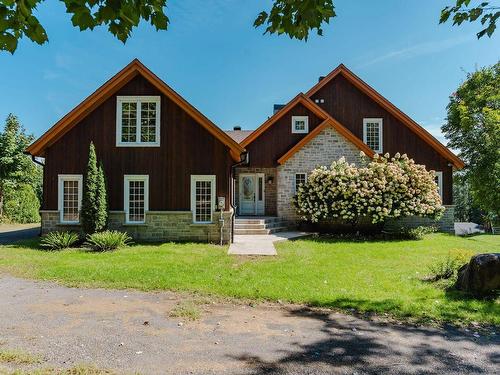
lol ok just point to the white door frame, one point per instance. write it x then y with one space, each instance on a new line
258 205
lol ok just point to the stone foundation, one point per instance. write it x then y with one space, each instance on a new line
445 224
160 226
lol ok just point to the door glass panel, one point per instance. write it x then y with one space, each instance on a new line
259 187
248 188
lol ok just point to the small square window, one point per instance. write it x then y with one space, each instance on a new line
300 124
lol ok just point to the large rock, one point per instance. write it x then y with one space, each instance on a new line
481 275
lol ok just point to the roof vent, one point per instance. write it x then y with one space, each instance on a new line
277 107
237 127
321 78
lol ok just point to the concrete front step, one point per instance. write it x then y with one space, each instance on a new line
260 231
260 225
258 221
275 224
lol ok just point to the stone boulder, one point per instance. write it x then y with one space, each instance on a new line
481 276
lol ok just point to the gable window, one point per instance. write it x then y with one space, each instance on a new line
300 178
438 178
136 198
137 121
372 134
202 198
300 124
70 198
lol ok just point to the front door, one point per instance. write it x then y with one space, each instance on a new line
251 192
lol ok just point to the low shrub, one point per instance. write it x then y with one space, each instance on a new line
59 240
417 233
107 241
445 269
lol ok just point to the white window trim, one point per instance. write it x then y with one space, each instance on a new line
60 195
380 121
439 176
195 178
126 195
138 100
295 180
300 118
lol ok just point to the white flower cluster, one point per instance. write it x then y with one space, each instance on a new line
383 188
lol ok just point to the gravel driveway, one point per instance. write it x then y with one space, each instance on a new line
133 332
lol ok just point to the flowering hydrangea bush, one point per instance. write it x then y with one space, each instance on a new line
380 189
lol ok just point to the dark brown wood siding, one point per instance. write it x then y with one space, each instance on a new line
278 138
349 105
186 149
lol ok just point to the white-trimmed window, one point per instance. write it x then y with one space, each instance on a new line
202 198
300 178
136 198
300 124
438 178
138 121
373 134
70 197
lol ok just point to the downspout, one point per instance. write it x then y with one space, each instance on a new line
243 160
33 158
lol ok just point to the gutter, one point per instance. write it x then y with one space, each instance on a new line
243 160
33 158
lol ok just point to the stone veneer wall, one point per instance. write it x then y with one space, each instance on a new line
326 147
269 189
159 226
445 224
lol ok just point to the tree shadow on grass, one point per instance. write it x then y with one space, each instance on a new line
33 244
381 238
352 345
446 312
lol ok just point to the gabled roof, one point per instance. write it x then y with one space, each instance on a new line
329 122
238 135
124 76
389 107
300 98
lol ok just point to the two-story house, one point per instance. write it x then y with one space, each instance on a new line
174 175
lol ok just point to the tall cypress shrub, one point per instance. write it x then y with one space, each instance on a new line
101 200
93 193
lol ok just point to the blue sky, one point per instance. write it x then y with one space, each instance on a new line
214 58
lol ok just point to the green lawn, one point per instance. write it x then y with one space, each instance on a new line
379 276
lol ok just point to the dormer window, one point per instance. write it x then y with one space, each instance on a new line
300 124
372 134
138 121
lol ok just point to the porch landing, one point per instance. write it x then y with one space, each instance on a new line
261 244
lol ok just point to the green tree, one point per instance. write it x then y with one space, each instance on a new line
22 204
89 207
295 18
465 207
15 167
101 199
473 127
462 11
